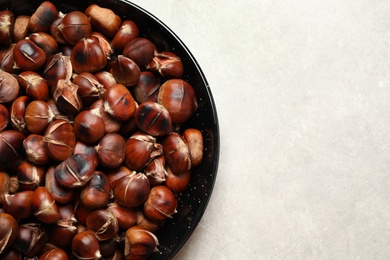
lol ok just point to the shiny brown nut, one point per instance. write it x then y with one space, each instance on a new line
81 213
45 41
146 88
161 203
103 20
42 18
103 223
88 56
153 118
61 234
176 153
13 184
4 186
177 183
104 43
140 50
111 125
111 150
141 148
30 176
127 217
108 247
44 206
140 243
105 78
75 171
88 150
60 194
54 254
35 148
85 245
179 98
155 170
132 190
9 230
19 205
66 97
125 71
127 32
89 126
90 89
115 175
57 67
7 22
9 87
28 56
7 61
20 30
57 113
38 116
4 117
167 64
75 26
17 111
11 148
97 192
55 31
119 102
30 239
34 85
195 144
147 224
60 139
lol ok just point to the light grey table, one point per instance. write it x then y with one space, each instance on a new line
302 90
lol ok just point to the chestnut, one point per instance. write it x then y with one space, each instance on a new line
111 150
28 56
4 117
103 20
60 194
57 113
140 243
176 153
85 245
147 224
55 31
97 192
194 141
21 30
61 234
35 148
42 18
140 50
4 186
44 207
19 205
81 213
38 116
127 32
30 176
160 204
105 78
167 64
7 22
89 126
54 254
153 118
57 67
90 89
30 239
17 113
9 230
111 125
13 184
103 42
75 26
88 150
146 88
34 85
7 62
103 223
127 217
66 97
11 148
88 56
179 98
115 176
132 190
60 139
141 148
108 247
45 41
125 71
177 183
9 87
155 170
75 171
119 102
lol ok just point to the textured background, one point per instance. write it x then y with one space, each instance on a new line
302 90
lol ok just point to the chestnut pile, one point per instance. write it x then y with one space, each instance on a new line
93 154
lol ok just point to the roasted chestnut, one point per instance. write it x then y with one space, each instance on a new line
167 64
60 194
155 170
9 230
7 22
9 87
4 186
38 116
28 56
45 41
140 243
132 190
90 89
88 56
111 150
89 126
21 30
35 148
140 50
30 239
75 26
115 176
127 32
177 183
17 111
103 223
42 18
4 117
195 144
153 118
146 88
75 171
127 217
103 20
111 125
119 102
97 193
57 67
19 205
125 71
66 97
34 85
60 139
44 207
161 203
11 147
86 149
30 176
176 153
85 245
54 254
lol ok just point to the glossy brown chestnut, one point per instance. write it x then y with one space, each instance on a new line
17 113
75 26
141 148
105 78
42 18
55 31
167 64
179 98
4 117
177 183
140 243
21 30
4 186
90 89
30 239
119 102
44 206
13 184
85 245
7 22
140 50
88 56
60 139
195 144
127 32
11 148
103 223
161 203
88 150
111 125
125 71
132 190
54 254
108 247
115 176
103 20
147 224
28 56
57 113
81 213
38 116
75 171
45 41
176 153
60 194
61 234
155 170
89 126
34 85
127 217
30 176
57 67
35 148
66 97
153 118
9 87
9 230
7 61
104 43
147 87
97 193
19 205
111 150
